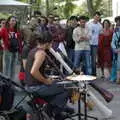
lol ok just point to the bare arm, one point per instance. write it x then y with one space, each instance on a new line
39 59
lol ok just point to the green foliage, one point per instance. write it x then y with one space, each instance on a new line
97 5
68 9
81 10
3 15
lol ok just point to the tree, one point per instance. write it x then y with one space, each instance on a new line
90 7
47 7
68 8
96 5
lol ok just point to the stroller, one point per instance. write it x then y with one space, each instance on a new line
34 105
9 111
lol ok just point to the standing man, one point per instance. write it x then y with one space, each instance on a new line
95 27
60 33
81 36
70 44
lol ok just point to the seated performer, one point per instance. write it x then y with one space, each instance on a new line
37 81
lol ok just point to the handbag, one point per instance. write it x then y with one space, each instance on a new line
21 74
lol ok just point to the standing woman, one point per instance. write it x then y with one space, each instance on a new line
2 25
11 46
104 49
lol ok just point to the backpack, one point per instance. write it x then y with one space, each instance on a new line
14 45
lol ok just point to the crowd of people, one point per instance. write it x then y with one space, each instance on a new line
92 43
89 44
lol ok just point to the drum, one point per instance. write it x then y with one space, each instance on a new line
80 78
64 82
73 88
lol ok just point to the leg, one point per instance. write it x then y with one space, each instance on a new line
70 53
1 61
14 60
113 75
106 73
58 94
77 58
6 63
93 58
87 62
118 69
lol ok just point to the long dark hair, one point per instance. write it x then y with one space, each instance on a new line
7 23
42 37
106 20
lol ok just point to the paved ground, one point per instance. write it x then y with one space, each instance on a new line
114 105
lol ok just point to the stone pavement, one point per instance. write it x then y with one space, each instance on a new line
114 105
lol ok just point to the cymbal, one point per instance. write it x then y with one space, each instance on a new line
53 76
65 82
81 77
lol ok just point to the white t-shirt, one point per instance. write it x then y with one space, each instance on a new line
81 32
95 31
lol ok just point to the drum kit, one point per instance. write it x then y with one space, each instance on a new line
81 82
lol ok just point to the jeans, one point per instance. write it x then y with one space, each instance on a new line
58 95
113 76
70 53
85 56
9 62
93 58
118 62
1 61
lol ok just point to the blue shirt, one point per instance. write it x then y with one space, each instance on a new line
115 44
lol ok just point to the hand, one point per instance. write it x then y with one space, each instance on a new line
85 38
49 81
82 38
116 50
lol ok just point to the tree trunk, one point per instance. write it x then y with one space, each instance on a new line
90 7
47 7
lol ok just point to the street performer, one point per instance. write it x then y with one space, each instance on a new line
36 79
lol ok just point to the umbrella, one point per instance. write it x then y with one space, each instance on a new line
11 5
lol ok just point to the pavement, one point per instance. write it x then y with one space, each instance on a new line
113 106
